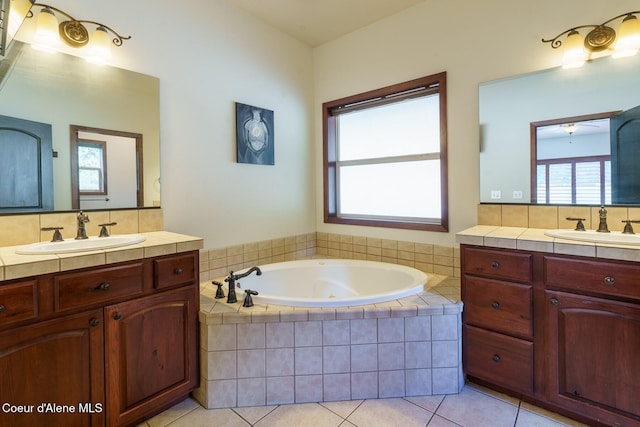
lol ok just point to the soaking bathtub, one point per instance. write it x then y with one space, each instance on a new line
331 283
331 342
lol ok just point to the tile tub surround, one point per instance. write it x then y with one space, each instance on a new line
267 355
440 260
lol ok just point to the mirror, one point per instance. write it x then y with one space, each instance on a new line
508 107
64 90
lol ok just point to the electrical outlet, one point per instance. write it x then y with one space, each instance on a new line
517 194
496 194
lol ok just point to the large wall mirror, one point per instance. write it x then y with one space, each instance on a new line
528 119
64 91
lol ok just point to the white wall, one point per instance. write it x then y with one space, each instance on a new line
473 41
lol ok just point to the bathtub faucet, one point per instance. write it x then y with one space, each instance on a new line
231 280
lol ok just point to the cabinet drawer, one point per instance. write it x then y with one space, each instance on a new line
498 264
18 302
500 306
499 359
602 277
97 286
175 270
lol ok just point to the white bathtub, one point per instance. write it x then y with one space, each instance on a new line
331 283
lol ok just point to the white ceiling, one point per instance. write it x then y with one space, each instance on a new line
315 22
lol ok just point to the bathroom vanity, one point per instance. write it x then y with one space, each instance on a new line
110 344
553 322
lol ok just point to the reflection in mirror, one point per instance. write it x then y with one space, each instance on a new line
13 13
509 106
62 90
571 160
106 168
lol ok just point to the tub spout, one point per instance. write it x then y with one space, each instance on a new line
231 280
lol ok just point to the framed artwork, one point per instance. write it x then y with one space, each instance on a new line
254 135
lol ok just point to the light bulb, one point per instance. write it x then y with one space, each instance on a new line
628 41
574 53
47 38
100 46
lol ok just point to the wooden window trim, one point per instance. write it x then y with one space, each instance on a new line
329 156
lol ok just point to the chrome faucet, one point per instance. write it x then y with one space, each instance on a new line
83 218
602 227
231 280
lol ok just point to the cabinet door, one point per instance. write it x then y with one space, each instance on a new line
54 371
593 356
151 354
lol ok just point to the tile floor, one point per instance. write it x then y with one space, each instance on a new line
475 406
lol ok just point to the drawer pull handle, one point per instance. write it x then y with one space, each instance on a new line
609 280
496 358
1 308
554 301
178 270
495 305
103 287
495 264
94 322
117 316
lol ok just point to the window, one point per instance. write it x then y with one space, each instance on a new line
92 160
385 157
575 180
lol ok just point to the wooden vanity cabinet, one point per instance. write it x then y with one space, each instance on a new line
150 354
560 331
111 345
592 315
497 317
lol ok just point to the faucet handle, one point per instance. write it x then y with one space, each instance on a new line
628 229
248 300
104 231
57 236
579 225
219 291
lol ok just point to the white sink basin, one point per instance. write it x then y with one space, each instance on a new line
593 236
72 245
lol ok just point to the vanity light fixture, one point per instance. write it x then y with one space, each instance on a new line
626 42
50 33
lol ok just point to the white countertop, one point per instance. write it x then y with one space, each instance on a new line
14 266
534 239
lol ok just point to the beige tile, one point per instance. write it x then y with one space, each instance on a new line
490 214
515 215
473 408
396 412
150 220
543 217
87 259
565 212
127 220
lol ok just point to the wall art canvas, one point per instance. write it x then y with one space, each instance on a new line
254 135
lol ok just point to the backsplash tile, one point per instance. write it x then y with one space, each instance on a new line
552 216
23 229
